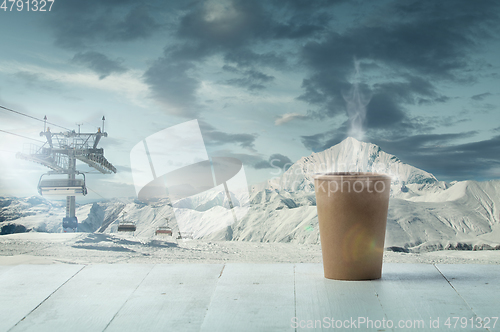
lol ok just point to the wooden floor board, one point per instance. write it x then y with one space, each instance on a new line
88 301
415 294
252 297
242 297
478 285
173 297
24 287
320 300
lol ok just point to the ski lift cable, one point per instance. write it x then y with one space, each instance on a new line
32 117
162 215
95 192
33 139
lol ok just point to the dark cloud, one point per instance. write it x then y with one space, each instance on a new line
313 95
468 161
418 43
172 85
386 108
407 90
430 123
137 24
244 57
79 24
481 96
314 142
396 137
405 50
251 79
419 143
172 79
448 160
275 161
212 136
306 6
439 154
383 112
247 159
37 80
236 30
226 24
234 24
219 138
389 127
322 141
99 63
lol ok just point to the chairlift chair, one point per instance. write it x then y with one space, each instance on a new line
64 187
126 227
163 230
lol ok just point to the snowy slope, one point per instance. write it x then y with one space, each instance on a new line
424 224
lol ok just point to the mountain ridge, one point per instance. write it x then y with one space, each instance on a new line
352 155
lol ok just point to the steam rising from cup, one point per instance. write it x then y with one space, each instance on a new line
356 104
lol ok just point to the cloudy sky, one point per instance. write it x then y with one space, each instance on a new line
265 79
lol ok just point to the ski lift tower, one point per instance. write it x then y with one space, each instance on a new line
60 153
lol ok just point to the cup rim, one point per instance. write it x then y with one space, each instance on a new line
349 175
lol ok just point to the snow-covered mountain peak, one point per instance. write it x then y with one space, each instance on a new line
350 155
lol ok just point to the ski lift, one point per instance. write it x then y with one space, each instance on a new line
65 187
126 227
163 230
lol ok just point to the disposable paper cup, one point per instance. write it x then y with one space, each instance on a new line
352 215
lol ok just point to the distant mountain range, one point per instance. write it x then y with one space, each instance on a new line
424 213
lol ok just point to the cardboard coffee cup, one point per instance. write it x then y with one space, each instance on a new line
352 216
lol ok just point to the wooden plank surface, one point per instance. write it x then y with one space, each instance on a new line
245 297
252 297
319 300
24 287
478 285
87 302
415 294
173 297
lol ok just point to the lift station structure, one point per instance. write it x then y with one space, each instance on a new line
60 153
